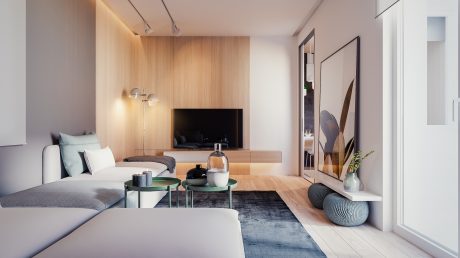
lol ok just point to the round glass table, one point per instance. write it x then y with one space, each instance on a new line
158 184
232 183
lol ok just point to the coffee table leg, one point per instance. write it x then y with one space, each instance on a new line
186 197
177 196
126 198
230 197
138 199
191 192
169 195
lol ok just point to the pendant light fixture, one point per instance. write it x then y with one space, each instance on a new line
174 29
147 28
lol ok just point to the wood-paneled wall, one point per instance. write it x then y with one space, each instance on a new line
117 51
193 72
184 72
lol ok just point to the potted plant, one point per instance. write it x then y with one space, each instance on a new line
352 182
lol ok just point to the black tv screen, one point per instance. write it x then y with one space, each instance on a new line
201 128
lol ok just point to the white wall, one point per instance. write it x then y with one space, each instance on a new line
336 22
13 72
274 120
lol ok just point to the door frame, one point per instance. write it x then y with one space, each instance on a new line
301 102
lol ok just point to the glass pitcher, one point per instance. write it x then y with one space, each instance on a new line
217 161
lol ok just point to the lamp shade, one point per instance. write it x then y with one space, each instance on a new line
152 99
135 93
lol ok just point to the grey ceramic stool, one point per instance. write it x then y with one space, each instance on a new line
344 212
317 193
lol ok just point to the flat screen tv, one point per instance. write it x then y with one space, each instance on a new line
201 128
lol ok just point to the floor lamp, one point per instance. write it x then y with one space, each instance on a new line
147 99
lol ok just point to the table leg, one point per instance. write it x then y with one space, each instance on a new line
230 197
138 199
186 197
169 195
191 197
177 196
126 197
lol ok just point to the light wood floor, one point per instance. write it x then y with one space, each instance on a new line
335 241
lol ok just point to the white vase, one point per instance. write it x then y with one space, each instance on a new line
351 183
217 178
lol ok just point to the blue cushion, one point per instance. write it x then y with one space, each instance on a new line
317 193
344 212
72 148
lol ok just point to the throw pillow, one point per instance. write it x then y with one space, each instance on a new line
99 159
72 148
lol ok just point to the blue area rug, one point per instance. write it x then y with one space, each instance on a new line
269 228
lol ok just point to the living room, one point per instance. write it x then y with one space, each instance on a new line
170 78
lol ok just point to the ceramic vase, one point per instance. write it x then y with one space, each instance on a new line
351 183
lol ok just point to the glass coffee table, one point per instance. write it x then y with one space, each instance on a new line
232 183
158 184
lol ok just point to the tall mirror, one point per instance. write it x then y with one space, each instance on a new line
307 106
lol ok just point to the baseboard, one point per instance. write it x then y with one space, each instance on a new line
424 243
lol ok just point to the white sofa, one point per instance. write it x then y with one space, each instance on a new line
25 232
53 171
190 233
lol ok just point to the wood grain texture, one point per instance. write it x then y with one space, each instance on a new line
116 62
266 157
235 168
184 156
334 241
184 72
191 72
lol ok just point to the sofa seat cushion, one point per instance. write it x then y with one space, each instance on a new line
97 195
27 231
162 232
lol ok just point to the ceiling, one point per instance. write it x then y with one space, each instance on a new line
217 17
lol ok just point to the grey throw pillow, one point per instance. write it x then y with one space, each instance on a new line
72 148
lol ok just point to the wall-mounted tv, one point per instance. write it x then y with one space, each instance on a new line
201 128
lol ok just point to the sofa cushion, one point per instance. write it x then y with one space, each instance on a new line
27 231
96 195
97 160
72 148
179 232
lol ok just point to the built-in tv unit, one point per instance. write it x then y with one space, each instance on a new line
201 128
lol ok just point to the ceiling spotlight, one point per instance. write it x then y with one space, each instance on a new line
147 28
174 29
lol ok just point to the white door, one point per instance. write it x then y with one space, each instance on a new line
428 126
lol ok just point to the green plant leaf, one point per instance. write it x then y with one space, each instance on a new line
346 107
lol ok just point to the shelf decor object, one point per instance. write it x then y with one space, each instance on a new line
352 182
218 172
338 119
197 176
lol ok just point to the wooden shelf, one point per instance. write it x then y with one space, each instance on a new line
337 186
234 156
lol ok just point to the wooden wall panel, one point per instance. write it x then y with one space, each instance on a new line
211 72
184 72
193 72
156 77
116 62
